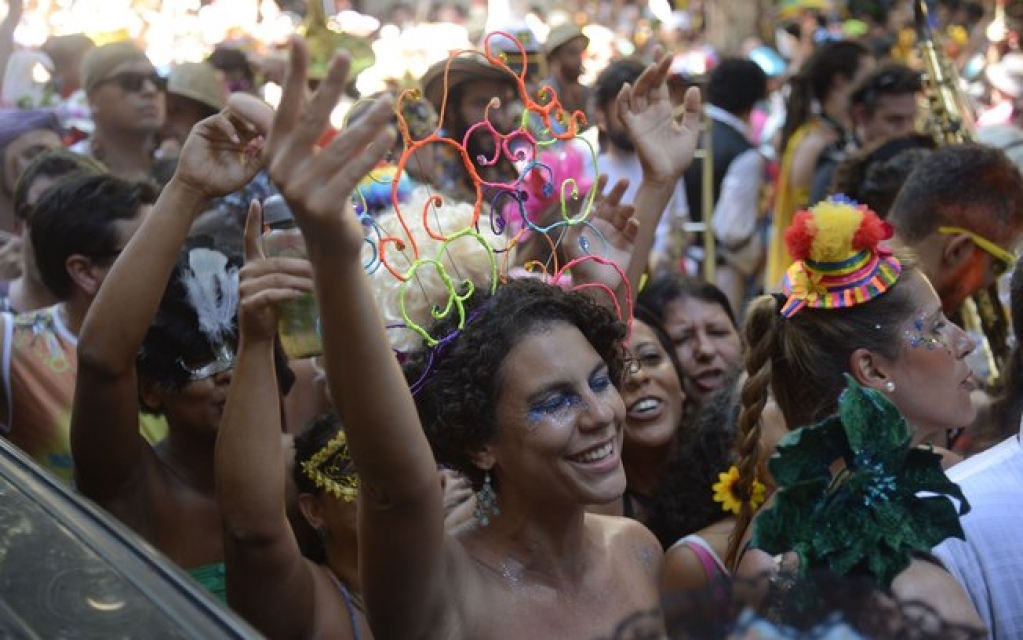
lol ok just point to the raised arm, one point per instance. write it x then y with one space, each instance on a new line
401 528
665 147
15 9
268 581
105 442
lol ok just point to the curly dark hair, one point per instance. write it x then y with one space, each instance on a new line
684 501
457 397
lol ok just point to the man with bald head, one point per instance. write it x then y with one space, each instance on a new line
126 97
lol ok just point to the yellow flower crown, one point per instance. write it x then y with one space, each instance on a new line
329 469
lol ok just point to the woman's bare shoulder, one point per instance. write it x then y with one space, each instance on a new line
627 537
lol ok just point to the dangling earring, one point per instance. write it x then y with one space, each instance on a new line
486 502
889 386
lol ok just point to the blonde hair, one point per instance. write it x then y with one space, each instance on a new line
464 259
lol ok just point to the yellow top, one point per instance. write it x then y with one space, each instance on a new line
787 201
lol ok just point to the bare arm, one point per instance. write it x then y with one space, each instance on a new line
269 582
107 448
682 572
401 527
665 147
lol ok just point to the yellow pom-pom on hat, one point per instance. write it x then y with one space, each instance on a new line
840 261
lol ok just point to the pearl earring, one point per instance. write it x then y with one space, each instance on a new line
889 386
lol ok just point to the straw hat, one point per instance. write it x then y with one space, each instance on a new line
562 35
200 82
462 69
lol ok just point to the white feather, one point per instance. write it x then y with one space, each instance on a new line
212 290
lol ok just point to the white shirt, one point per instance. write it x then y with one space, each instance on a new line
735 213
989 564
617 165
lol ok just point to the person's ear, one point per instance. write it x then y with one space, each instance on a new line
870 370
151 394
83 273
311 510
957 252
484 458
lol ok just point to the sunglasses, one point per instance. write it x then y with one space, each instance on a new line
1003 260
133 81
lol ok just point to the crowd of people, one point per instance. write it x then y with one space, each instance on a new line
642 349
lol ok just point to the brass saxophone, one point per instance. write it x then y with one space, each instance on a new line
952 122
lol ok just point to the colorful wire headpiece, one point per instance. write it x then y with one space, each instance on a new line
547 170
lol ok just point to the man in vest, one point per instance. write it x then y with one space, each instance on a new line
733 89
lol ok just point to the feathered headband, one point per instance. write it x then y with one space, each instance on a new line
840 261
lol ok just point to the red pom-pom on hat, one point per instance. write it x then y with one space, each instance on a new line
800 234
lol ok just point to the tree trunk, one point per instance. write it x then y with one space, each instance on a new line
730 22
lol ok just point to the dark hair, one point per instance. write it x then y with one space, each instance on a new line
313 438
52 163
229 59
464 375
801 362
966 185
656 324
666 289
175 330
612 78
684 500
892 79
874 175
815 79
77 216
736 85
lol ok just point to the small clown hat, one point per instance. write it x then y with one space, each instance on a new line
839 259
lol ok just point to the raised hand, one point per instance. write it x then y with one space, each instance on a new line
665 145
264 283
613 230
318 183
220 154
612 237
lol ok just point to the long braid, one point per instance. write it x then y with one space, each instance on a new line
761 329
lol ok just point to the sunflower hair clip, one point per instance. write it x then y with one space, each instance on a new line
329 469
725 492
